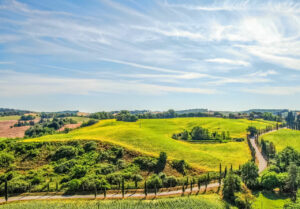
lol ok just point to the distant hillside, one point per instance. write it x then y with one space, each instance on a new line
274 111
191 111
7 112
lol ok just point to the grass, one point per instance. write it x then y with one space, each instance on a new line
80 119
283 138
268 200
11 117
203 201
151 136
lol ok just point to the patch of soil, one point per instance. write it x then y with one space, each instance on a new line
71 126
7 132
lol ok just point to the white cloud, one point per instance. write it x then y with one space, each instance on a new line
22 84
228 61
274 90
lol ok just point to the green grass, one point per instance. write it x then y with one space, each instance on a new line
151 136
203 202
80 119
268 200
283 138
11 117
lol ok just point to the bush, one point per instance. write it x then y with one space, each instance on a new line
64 167
89 123
90 146
74 185
78 171
269 180
65 152
232 184
180 166
146 163
161 162
17 185
170 181
154 181
6 159
105 169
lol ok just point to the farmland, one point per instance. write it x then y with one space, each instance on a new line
12 117
203 201
151 136
283 138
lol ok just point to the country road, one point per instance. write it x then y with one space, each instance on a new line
110 196
262 163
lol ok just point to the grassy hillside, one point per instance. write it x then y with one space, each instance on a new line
11 117
151 136
202 201
80 119
283 138
268 200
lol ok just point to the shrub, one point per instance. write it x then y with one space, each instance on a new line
170 181
17 185
269 180
105 169
64 167
74 185
78 171
6 159
161 162
154 181
90 146
65 152
180 166
89 123
232 184
146 163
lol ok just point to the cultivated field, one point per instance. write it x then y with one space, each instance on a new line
79 119
151 136
7 132
202 201
12 117
283 138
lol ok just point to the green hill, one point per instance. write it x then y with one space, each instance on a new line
151 136
283 138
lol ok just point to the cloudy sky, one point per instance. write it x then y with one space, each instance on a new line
108 55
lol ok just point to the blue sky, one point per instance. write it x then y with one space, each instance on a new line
108 55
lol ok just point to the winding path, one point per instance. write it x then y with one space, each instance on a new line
262 163
109 196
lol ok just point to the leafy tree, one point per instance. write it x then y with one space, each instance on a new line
270 181
65 152
252 130
232 184
180 166
249 174
90 146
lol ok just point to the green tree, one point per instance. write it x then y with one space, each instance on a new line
249 174
293 180
269 180
136 178
252 130
232 184
161 162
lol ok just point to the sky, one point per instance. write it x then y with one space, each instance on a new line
102 55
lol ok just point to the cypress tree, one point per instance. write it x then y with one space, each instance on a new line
155 189
191 186
104 192
225 172
231 168
6 190
145 188
183 187
56 186
199 184
123 188
95 191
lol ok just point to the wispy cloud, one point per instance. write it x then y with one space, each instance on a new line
274 90
228 61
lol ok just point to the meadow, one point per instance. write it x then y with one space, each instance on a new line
269 200
152 136
283 138
79 119
11 117
203 202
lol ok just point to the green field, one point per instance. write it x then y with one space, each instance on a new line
80 119
11 117
283 138
268 200
203 202
151 136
